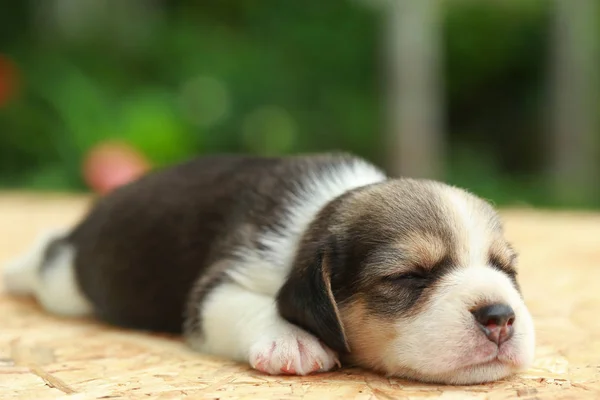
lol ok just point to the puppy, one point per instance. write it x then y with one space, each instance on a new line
292 264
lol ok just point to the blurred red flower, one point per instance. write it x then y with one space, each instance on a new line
8 79
112 164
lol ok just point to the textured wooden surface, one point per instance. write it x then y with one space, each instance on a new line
43 357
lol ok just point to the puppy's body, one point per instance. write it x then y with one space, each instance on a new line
287 263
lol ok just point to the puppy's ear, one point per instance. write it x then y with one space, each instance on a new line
306 300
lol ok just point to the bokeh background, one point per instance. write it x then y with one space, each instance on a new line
496 96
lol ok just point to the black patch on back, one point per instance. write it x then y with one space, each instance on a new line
141 249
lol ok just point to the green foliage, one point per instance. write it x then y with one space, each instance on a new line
267 77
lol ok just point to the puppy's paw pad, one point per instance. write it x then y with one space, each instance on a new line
297 353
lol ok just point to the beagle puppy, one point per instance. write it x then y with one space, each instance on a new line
296 265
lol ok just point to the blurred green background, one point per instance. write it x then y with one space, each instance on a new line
182 78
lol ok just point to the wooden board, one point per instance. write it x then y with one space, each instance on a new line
44 357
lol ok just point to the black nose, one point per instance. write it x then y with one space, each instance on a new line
496 321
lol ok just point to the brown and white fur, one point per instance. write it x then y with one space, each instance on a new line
291 264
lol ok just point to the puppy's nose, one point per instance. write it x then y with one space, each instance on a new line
496 321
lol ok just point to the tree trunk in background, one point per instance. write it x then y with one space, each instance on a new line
574 123
415 141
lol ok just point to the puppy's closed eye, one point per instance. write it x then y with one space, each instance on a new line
417 278
407 275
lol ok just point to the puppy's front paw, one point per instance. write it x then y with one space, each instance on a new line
294 352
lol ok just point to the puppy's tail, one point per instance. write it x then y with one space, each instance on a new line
47 271
21 275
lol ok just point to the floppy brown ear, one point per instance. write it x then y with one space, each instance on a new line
306 300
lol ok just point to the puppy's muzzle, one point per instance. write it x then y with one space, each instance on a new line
496 321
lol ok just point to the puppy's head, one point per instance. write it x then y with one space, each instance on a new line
414 279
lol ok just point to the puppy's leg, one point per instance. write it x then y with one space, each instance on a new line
245 326
46 271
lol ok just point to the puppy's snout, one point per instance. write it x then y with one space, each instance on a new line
496 321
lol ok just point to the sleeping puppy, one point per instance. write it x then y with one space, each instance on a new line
291 264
